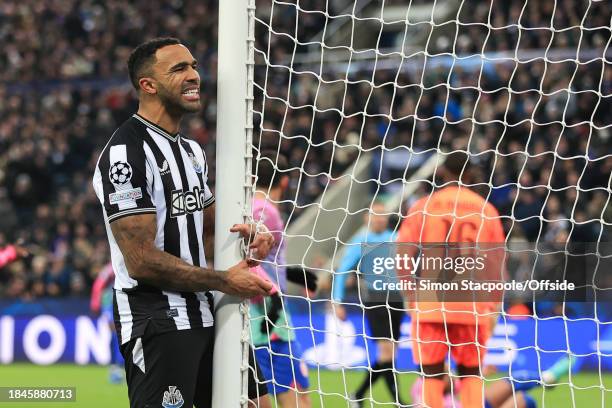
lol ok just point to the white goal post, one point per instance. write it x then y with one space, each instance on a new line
234 104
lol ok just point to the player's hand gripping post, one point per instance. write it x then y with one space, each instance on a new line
239 281
259 238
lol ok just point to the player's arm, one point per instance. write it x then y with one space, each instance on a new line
274 309
260 239
349 261
408 236
135 236
303 277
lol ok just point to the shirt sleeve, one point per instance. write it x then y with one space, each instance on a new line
410 229
7 255
123 181
209 198
349 261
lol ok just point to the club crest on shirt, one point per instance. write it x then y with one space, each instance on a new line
196 166
172 398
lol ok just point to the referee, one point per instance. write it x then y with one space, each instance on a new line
384 310
152 183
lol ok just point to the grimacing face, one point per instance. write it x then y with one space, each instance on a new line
178 81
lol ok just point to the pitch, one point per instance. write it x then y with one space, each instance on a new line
327 387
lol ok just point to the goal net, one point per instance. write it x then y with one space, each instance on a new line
357 104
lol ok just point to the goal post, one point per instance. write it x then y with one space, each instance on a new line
234 127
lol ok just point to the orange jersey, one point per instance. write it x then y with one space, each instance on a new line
452 215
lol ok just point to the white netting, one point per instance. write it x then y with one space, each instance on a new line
366 99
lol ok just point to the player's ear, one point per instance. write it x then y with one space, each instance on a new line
147 85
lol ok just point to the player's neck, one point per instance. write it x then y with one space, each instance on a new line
158 115
273 195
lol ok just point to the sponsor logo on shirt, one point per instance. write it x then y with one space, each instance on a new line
165 168
187 202
119 197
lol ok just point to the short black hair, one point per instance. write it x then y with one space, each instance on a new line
269 166
143 56
457 163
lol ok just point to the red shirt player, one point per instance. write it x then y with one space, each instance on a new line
452 214
11 253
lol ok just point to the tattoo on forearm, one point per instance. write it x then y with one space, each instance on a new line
135 236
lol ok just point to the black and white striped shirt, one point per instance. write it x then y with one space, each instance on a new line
144 169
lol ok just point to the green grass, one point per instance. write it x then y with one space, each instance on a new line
93 389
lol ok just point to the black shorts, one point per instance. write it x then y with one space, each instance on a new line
174 366
385 319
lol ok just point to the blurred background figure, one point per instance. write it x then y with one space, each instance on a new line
277 351
384 312
11 253
101 303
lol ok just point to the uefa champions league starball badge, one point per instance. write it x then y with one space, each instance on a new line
120 173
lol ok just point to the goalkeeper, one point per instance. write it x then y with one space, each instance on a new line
452 214
276 350
509 392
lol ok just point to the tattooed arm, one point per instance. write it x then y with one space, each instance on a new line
135 236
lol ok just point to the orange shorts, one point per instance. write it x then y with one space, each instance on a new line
431 343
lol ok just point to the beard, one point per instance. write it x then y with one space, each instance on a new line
175 104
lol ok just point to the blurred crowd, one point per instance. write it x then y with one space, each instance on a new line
575 25
64 90
58 39
538 130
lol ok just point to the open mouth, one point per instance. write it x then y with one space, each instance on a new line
192 94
